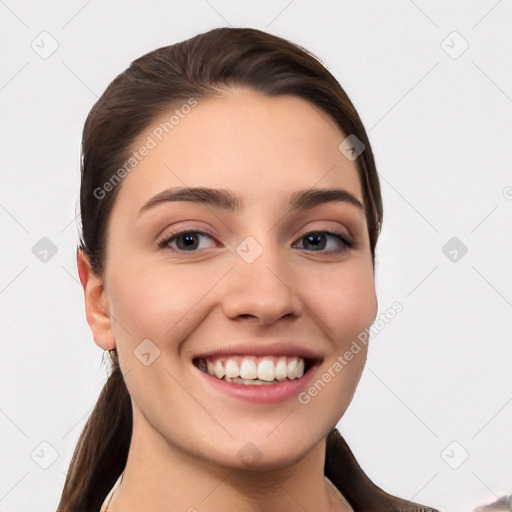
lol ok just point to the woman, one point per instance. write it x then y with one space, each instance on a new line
230 210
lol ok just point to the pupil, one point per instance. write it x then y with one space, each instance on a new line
189 240
315 242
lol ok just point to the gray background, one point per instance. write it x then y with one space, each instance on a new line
438 384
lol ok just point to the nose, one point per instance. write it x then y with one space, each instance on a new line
262 290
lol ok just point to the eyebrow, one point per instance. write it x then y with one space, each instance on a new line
225 199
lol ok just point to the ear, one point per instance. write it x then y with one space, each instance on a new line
96 304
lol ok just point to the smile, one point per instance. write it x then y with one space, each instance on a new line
251 370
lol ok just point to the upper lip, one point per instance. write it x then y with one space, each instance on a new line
259 348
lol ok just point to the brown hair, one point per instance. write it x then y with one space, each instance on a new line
195 68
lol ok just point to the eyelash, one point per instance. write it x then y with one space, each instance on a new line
347 244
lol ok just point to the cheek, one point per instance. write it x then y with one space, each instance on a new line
346 305
152 304
344 300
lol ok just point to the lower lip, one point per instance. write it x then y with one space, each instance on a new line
263 393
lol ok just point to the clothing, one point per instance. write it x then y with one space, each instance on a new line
106 501
342 469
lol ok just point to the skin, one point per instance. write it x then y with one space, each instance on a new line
186 435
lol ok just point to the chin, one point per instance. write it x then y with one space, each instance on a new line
280 450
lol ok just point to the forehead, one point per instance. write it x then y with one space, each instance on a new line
261 147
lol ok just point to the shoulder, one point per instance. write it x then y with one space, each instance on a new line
342 468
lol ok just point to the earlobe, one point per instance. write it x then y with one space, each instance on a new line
96 304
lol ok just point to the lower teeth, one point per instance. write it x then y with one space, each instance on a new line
250 381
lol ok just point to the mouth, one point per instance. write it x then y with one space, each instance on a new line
257 380
255 370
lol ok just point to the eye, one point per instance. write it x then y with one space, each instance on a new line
186 240
317 241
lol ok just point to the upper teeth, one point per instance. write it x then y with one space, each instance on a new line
267 368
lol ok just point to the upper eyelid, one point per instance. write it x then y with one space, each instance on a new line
180 232
307 231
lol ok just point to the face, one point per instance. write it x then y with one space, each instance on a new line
263 274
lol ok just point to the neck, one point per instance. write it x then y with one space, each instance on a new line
160 476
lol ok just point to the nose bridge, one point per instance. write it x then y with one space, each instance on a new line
259 285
